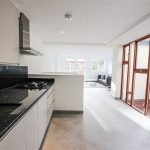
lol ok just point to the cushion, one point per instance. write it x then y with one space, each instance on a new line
103 77
99 76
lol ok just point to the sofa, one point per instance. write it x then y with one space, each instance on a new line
104 79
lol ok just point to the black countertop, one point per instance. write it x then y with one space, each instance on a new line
14 103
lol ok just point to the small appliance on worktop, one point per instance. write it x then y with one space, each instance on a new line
17 94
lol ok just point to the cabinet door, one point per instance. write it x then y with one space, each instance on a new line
16 138
50 91
42 117
32 128
50 100
50 112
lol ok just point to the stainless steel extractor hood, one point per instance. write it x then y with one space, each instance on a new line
30 51
24 37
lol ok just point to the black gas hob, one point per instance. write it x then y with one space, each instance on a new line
28 90
33 85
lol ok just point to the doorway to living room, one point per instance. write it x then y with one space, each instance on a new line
98 73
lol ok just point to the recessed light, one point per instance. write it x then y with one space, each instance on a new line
104 42
61 32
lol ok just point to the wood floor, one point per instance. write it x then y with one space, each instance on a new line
106 124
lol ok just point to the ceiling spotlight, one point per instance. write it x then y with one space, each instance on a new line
68 17
104 42
61 32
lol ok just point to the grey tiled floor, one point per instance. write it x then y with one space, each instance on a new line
106 124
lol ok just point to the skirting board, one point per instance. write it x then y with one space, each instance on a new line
68 112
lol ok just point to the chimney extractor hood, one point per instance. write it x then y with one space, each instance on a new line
24 37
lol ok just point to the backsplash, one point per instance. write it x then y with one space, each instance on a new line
12 75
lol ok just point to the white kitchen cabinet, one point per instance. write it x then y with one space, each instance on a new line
50 91
24 136
32 128
42 117
50 112
50 103
50 99
29 132
16 138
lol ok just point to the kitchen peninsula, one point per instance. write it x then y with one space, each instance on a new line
68 90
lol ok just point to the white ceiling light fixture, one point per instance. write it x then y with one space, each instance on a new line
104 42
68 17
61 32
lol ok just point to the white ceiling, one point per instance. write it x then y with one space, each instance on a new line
94 21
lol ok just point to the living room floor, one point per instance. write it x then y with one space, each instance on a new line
107 124
93 85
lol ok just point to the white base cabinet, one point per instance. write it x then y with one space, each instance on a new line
45 110
42 117
16 139
24 136
32 128
29 131
50 103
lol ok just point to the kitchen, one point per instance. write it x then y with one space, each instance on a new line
27 100
64 74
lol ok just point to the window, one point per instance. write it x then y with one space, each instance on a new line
80 65
70 64
75 65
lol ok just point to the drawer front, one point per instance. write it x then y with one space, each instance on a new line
42 117
50 91
50 100
50 112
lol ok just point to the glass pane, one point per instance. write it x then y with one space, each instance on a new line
149 103
131 72
139 92
126 53
142 54
125 82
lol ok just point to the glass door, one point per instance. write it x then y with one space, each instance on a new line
125 72
130 73
148 86
140 81
148 106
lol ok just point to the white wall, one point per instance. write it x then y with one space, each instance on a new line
35 63
116 71
54 56
9 32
